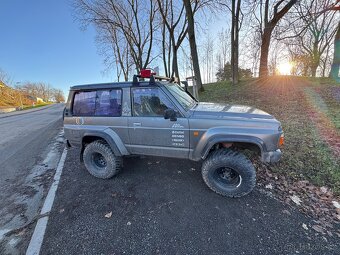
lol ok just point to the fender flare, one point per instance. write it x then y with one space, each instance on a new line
229 138
111 138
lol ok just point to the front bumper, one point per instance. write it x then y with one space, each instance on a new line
271 156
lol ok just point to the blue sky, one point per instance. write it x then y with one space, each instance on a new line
40 41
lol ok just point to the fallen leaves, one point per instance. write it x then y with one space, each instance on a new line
318 228
336 204
269 186
319 202
304 226
296 199
108 215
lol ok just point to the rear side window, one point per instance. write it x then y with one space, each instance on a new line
98 103
84 103
109 103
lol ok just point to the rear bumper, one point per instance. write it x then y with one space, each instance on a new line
271 156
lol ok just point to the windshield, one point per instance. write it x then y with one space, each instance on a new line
182 97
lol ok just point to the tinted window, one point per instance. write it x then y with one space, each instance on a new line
98 103
84 103
150 102
109 103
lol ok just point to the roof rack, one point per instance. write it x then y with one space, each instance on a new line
147 74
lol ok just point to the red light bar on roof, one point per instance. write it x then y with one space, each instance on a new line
146 73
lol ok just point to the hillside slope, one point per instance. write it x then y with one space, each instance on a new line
309 110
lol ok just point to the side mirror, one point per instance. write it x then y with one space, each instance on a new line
170 114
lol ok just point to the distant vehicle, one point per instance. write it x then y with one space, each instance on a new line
159 118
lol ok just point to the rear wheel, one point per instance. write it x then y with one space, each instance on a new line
100 161
229 173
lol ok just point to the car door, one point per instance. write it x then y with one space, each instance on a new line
149 132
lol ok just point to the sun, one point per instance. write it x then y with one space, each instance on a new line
285 68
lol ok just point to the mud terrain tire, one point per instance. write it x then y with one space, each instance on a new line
100 161
229 173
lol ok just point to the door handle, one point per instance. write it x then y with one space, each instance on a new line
137 124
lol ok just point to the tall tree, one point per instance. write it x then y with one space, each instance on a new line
192 42
336 56
174 20
280 8
319 31
134 19
308 32
235 29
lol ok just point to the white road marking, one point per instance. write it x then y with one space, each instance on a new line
39 231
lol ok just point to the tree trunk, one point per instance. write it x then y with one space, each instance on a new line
265 51
164 49
193 46
232 41
175 71
324 65
336 57
235 46
313 70
268 29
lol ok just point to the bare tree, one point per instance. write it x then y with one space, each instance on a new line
116 52
37 89
336 56
192 41
134 20
224 48
319 33
208 53
176 24
5 78
310 34
235 29
58 96
268 22
236 23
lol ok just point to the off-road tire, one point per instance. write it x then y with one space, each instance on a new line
238 163
112 164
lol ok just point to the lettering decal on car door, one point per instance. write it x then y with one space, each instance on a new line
177 136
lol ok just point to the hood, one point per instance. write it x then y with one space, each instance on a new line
214 110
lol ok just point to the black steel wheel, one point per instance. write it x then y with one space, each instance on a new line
229 173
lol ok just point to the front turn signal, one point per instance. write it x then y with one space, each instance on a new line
281 140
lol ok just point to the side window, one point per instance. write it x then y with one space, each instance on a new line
109 103
98 103
150 102
84 103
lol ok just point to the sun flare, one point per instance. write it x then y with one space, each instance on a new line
285 68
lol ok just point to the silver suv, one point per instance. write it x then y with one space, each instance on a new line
160 118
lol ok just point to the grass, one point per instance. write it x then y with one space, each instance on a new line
35 106
309 111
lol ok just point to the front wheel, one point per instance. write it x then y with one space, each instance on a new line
229 173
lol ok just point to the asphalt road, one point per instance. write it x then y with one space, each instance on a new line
162 206
29 154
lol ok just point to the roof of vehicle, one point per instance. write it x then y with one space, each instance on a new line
115 85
